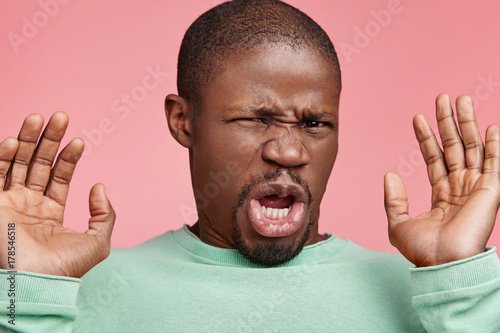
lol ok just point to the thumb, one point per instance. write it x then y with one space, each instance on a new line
102 214
396 199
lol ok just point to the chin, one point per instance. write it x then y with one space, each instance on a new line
268 251
271 221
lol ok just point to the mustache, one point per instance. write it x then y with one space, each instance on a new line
270 176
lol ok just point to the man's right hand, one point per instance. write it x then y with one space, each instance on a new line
33 195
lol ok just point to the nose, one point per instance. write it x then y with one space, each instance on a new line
286 149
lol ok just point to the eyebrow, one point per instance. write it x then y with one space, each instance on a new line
259 111
266 112
315 116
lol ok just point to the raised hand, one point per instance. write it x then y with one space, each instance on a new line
465 181
33 196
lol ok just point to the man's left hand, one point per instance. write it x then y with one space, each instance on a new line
465 181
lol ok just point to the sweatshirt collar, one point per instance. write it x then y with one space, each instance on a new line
208 254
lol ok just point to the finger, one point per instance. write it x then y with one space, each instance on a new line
28 137
474 148
45 152
492 154
102 214
431 152
61 175
8 149
395 199
452 142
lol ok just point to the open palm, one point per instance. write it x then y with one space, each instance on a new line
33 195
465 180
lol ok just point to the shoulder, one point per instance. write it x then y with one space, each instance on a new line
385 260
346 251
359 262
124 261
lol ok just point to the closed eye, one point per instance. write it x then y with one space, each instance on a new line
251 122
256 120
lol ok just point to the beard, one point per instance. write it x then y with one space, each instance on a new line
270 253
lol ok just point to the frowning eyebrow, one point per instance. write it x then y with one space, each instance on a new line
266 112
316 116
258 111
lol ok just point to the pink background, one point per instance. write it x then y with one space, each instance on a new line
84 55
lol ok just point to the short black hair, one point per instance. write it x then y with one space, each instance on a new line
240 26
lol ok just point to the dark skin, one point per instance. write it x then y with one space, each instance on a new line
33 195
265 118
288 85
465 180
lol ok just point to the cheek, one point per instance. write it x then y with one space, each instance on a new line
217 172
324 152
323 159
221 150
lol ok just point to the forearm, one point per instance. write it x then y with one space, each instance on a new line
32 302
462 296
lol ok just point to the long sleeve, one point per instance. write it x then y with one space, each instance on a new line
462 296
331 286
36 302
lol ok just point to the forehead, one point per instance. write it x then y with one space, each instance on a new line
276 76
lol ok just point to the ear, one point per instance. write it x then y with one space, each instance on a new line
179 118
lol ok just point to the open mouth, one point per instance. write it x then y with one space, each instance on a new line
274 207
277 209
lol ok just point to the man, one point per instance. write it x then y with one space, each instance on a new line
259 86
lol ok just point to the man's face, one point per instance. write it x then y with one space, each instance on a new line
264 144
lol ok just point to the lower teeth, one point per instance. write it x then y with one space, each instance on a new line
275 213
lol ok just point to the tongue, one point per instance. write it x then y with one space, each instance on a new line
274 201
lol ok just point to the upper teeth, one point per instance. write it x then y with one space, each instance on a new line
275 213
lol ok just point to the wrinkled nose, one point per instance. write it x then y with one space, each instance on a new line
286 149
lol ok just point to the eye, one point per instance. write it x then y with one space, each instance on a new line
254 123
317 128
254 120
313 123
258 120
